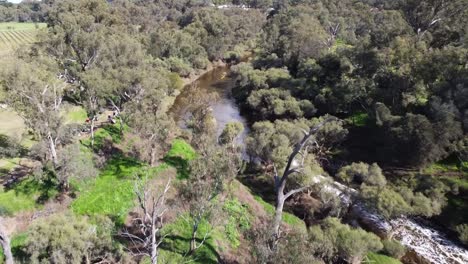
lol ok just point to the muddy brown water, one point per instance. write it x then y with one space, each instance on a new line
224 109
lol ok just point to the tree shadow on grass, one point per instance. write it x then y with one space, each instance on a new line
122 166
180 245
182 166
45 188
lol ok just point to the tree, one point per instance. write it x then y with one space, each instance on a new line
387 202
293 166
278 103
150 220
214 166
37 95
230 132
74 164
270 142
70 239
362 173
147 115
209 171
294 35
5 243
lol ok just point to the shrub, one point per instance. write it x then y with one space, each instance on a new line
393 248
462 231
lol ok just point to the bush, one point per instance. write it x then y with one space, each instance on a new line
393 248
462 231
69 239
179 66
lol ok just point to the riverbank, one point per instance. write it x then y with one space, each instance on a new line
200 72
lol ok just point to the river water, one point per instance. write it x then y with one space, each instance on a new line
426 242
224 109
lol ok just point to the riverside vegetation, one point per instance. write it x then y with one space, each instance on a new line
101 164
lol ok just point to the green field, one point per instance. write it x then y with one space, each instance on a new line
14 35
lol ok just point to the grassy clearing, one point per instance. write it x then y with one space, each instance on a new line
179 156
75 114
375 258
26 195
11 124
288 218
107 133
8 164
112 192
177 243
239 220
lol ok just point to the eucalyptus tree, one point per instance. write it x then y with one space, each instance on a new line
296 166
37 94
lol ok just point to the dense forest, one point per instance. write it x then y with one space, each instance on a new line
355 132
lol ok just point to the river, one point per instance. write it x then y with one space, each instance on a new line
425 243
224 109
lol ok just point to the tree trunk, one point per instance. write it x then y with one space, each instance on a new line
193 241
92 132
154 245
52 148
278 217
152 156
5 243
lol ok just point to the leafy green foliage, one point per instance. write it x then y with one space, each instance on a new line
68 238
334 238
393 248
363 173
462 231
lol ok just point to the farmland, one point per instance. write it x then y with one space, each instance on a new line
15 35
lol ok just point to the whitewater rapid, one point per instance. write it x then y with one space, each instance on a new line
428 243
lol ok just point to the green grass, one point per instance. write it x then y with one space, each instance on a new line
75 114
26 195
13 26
112 192
179 156
288 218
8 164
358 119
12 201
181 149
11 124
17 242
239 220
177 242
107 133
380 259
